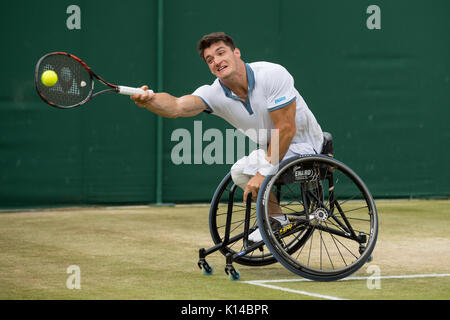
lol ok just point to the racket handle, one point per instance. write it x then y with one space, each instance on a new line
129 91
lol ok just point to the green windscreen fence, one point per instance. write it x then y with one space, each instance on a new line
376 74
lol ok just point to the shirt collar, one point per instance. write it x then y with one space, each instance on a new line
250 81
250 77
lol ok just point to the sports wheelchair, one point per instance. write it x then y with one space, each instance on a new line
333 220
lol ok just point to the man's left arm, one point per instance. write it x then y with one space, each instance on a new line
284 125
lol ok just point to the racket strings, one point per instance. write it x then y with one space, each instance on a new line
74 84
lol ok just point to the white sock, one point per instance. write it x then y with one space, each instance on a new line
255 236
282 219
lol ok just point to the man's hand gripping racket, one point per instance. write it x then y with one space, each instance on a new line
64 81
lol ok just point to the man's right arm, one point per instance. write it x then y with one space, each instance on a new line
168 106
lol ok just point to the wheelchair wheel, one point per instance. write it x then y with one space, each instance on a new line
333 219
228 198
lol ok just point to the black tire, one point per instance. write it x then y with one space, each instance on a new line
334 221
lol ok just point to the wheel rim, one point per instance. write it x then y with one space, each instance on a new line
332 213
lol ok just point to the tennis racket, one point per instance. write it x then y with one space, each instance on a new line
74 82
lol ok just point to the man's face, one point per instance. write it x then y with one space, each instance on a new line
221 60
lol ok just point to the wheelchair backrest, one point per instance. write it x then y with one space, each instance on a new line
327 147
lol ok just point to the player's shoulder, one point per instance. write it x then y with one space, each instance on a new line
209 88
270 74
265 66
268 70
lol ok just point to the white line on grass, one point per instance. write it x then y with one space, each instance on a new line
263 283
311 294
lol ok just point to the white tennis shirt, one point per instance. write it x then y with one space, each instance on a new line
270 87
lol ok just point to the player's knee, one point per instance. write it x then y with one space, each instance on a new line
238 176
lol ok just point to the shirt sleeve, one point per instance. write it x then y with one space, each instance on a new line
280 88
205 93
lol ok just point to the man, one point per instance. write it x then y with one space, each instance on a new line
259 96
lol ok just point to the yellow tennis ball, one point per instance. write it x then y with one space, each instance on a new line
49 78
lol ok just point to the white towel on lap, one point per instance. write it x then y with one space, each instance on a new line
246 167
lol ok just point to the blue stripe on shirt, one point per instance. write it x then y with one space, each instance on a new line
210 110
282 105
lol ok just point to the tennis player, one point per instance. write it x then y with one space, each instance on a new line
259 96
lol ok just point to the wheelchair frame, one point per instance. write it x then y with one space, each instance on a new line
272 240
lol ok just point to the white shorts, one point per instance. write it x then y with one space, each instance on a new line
245 168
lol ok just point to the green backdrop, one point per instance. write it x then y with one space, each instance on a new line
383 93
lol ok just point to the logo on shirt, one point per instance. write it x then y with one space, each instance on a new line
280 99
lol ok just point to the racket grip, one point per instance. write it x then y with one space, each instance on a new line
129 91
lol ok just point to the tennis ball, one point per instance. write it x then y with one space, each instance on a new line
49 78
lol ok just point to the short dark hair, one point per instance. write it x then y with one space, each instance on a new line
209 39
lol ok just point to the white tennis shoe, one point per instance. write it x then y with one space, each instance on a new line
276 222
